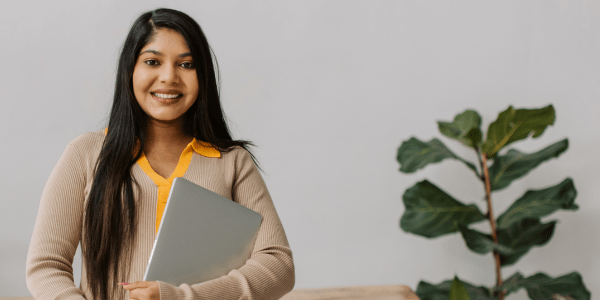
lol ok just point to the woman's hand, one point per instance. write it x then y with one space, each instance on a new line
142 290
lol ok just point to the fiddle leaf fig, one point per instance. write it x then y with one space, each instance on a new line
430 212
465 128
540 203
441 291
481 243
542 287
522 236
458 291
515 164
513 125
415 154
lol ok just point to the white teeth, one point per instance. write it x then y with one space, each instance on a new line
166 96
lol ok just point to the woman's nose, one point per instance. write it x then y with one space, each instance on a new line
168 74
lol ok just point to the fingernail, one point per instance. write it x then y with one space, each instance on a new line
123 283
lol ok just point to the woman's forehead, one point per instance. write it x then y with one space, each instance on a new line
167 39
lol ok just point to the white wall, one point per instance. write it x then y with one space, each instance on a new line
328 90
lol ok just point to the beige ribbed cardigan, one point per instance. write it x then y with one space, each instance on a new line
268 274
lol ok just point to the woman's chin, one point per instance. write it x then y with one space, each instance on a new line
166 119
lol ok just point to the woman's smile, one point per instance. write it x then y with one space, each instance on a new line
166 96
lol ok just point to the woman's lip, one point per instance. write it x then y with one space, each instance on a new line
163 100
165 91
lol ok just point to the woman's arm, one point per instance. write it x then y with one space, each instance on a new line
57 231
269 273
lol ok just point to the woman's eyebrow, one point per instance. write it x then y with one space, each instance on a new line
160 54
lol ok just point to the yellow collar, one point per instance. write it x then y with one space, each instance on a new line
202 148
205 149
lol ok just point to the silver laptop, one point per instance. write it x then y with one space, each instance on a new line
202 236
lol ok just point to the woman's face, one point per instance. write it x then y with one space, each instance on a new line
164 77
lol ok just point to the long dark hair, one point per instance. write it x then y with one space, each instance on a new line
110 214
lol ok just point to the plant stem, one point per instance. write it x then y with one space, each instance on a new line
490 214
480 164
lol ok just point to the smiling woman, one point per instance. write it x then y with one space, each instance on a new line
109 189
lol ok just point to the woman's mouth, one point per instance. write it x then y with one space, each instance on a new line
166 98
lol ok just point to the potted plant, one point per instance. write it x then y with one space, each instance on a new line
431 212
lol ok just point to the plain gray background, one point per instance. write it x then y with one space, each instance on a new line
328 90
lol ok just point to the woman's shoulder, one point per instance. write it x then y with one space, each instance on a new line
237 153
87 145
241 159
88 140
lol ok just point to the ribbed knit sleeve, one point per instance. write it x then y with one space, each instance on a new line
269 273
57 229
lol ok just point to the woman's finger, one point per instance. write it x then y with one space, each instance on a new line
141 294
136 285
135 294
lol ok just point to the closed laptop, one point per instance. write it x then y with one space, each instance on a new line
202 236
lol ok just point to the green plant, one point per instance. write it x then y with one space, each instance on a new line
430 212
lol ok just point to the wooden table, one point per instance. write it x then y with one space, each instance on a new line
370 292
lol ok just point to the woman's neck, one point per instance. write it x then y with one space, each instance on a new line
164 134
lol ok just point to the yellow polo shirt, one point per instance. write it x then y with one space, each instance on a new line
164 184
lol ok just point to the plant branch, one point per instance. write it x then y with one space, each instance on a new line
480 164
490 215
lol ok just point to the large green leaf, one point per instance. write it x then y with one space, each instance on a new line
414 154
513 242
458 291
441 291
570 285
522 236
430 212
513 125
540 203
481 243
543 287
465 128
516 164
511 284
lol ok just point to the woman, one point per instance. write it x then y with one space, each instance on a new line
107 194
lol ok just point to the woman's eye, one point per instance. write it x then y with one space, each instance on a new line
151 62
187 65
